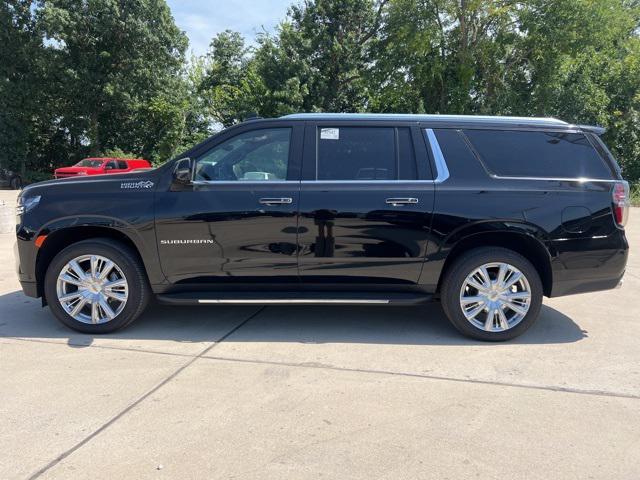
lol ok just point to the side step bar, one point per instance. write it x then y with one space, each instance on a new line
293 298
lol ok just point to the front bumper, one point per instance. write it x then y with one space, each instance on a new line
30 289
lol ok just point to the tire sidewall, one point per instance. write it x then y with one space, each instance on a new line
458 274
122 258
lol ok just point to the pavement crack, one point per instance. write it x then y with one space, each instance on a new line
549 388
141 399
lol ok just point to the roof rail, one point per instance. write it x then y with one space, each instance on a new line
598 130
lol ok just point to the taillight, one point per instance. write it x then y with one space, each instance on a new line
621 202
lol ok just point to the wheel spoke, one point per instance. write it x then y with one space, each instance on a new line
71 296
95 312
106 270
475 299
512 279
486 279
95 266
502 319
78 307
516 308
77 269
66 278
489 322
517 295
106 308
473 313
478 286
502 272
121 297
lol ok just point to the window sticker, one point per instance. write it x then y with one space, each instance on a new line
329 134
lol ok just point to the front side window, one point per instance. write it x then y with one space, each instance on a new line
90 163
538 154
122 165
258 155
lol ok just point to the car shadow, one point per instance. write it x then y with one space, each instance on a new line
421 325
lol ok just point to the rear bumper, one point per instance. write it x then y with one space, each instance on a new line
592 269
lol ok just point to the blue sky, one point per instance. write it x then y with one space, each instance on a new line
202 19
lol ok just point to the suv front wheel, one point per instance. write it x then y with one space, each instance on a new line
96 286
492 294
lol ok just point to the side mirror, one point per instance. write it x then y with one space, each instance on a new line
182 172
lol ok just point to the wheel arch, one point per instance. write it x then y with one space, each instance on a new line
518 240
59 239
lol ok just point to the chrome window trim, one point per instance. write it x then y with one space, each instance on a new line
441 165
244 182
556 179
367 182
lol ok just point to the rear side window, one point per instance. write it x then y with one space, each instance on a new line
365 154
538 154
122 165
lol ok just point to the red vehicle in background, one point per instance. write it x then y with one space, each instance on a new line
100 166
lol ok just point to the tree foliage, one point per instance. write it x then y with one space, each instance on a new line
87 76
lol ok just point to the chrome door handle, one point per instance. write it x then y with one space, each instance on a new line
276 201
397 202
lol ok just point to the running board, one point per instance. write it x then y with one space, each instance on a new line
293 298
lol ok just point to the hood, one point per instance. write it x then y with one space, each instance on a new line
139 180
75 169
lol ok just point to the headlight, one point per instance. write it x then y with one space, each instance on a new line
26 204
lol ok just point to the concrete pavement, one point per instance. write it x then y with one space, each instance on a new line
317 392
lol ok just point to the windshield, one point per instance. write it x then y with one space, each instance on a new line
89 162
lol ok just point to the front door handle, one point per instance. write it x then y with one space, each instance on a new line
276 201
398 202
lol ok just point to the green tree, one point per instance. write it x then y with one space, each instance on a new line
115 61
21 86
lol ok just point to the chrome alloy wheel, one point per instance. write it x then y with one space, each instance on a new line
92 289
495 297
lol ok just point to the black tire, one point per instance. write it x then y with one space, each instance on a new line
464 266
16 183
127 262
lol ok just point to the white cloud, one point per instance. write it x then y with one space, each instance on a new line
202 20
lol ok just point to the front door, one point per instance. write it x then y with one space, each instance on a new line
238 220
365 205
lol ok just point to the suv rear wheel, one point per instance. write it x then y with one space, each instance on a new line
96 286
492 294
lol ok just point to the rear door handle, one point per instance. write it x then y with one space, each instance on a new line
276 201
397 202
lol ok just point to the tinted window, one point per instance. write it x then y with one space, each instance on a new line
406 156
356 153
122 165
111 165
259 155
461 161
538 154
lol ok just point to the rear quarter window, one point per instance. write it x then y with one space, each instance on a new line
538 154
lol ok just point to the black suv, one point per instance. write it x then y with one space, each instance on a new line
485 214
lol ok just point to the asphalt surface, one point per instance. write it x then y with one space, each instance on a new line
320 392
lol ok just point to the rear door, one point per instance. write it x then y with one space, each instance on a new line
366 202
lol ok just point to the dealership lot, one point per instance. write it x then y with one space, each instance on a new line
317 392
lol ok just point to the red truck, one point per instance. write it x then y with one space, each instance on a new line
100 166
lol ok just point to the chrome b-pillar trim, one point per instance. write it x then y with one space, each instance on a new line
441 164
